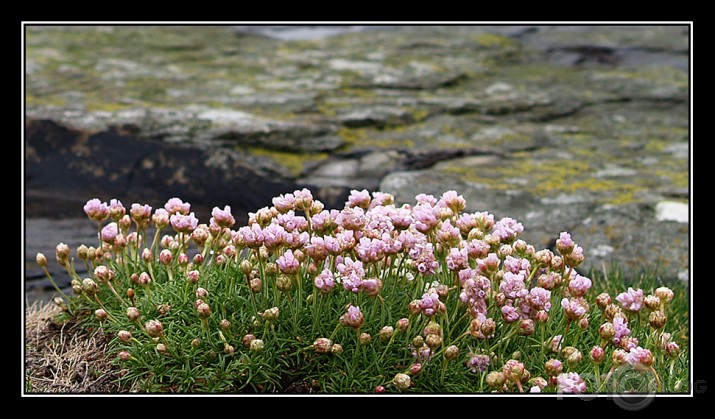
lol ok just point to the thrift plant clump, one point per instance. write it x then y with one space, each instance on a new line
372 298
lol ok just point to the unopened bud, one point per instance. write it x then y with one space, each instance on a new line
225 324
229 350
432 328
488 327
526 327
657 319
62 253
583 323
247 340
414 307
451 352
204 310
201 292
271 314
100 314
196 342
257 345
402 381
414 368
256 285
322 345
607 331
418 341
246 266
144 279
132 313
124 335
193 276
672 349
89 287
130 293
161 348
665 294
379 389
433 341
284 283
597 355
364 338
541 316
619 357
154 328
611 311
124 355
403 324
198 259
165 257
554 367
386 333
183 259
496 379
651 302
336 349
603 300
147 256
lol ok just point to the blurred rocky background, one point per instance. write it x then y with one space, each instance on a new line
577 128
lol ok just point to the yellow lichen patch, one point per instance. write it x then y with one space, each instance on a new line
490 40
293 162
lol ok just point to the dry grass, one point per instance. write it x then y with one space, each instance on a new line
61 358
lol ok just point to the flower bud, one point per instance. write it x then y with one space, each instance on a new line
322 345
130 293
132 313
672 349
257 345
225 324
62 253
386 333
557 263
124 355
247 340
124 335
402 381
154 328
513 370
198 259
526 327
432 328
554 367
496 379
403 324
597 355
336 349
541 316
246 266
414 307
378 389
100 314
488 327
144 279
665 294
284 283
165 257
657 319
556 343
651 302
161 348
603 300
364 338
611 311
193 276
583 323
607 331
539 382
618 357
147 256
183 259
89 287
272 268
414 369
433 341
418 341
451 352
91 253
196 342
204 310
271 314
256 285
201 292
229 350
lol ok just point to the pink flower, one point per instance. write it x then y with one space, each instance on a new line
571 383
161 218
316 248
425 217
284 203
564 244
517 265
539 299
402 217
484 220
96 210
513 286
507 229
303 199
478 363
579 286
273 236
509 314
430 303
423 258
631 300
353 318
324 281
448 235
141 214
574 258
109 233
116 209
381 199
640 358
290 222
621 327
457 259
359 199
352 274
489 264
287 263
352 218
477 249
184 223
252 236
451 200
222 218
176 206
573 308
370 250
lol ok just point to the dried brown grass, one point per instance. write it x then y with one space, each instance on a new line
62 358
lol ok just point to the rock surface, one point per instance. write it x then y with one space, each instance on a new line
578 128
